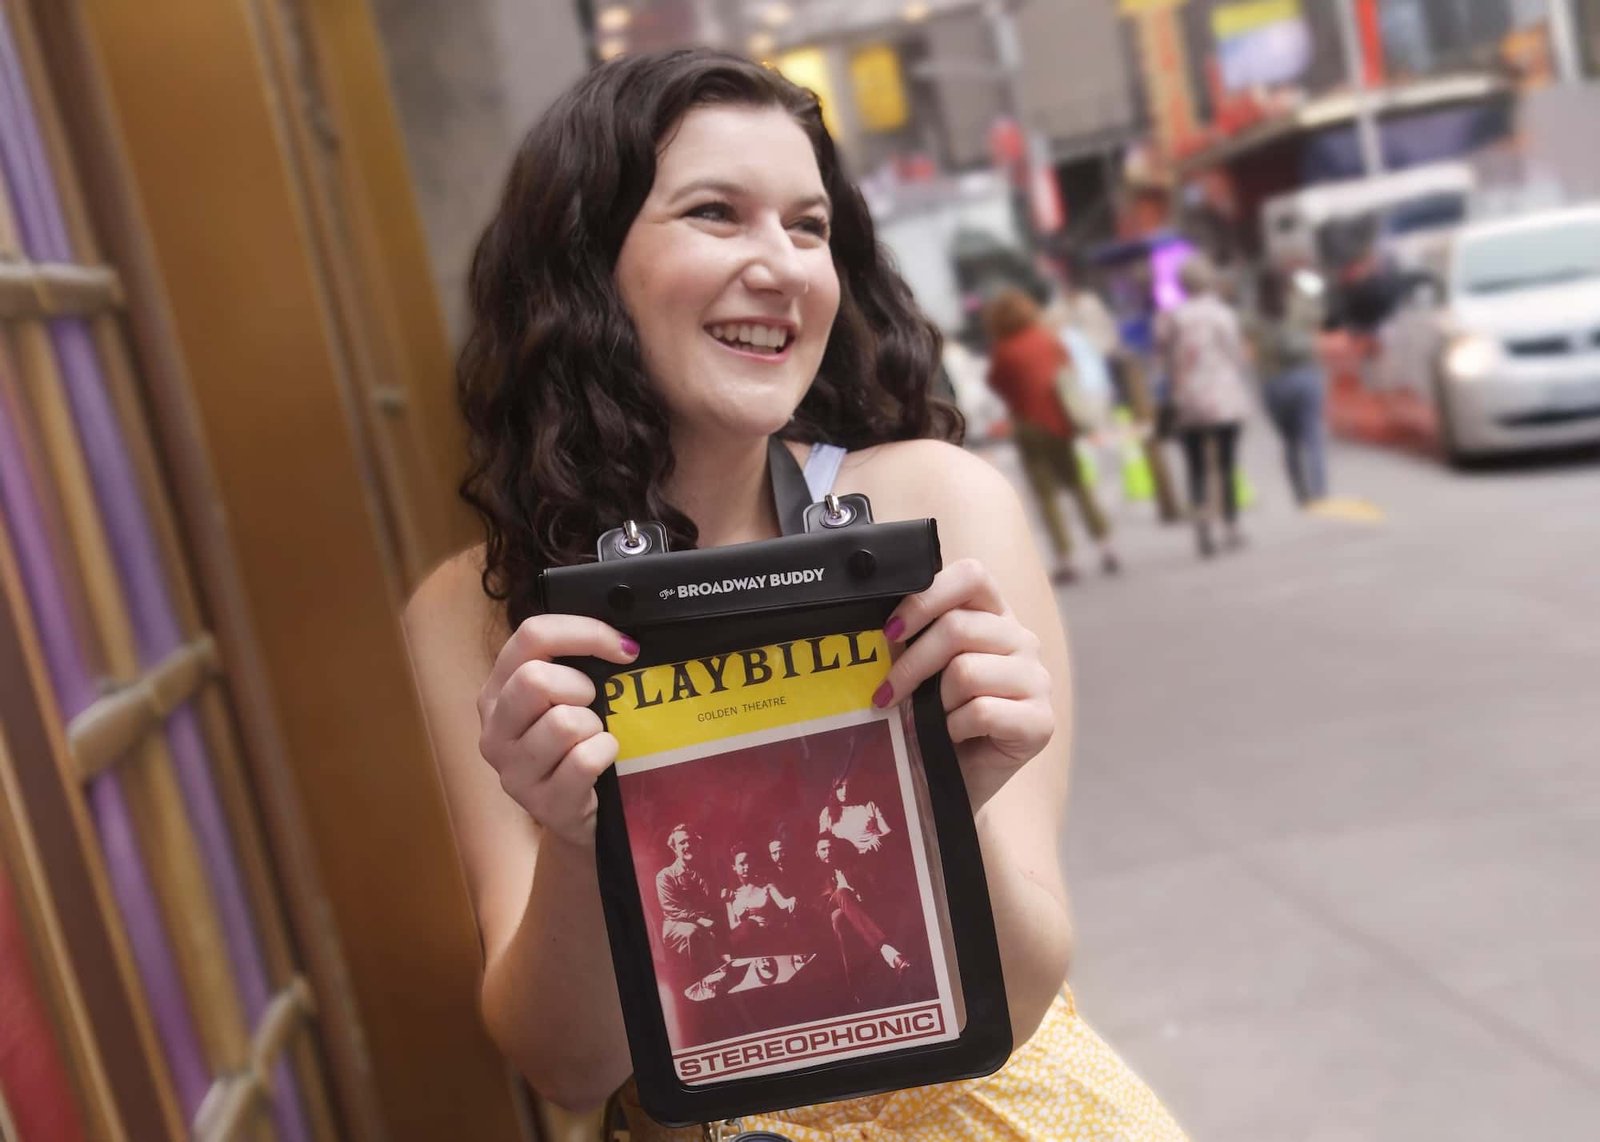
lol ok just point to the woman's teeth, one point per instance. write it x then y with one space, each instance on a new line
761 338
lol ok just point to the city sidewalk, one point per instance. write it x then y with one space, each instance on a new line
1335 824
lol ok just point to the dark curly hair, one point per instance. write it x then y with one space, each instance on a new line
566 437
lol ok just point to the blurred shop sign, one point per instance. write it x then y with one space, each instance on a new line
1244 16
1046 208
1007 143
1139 7
808 68
1529 55
879 88
1164 71
914 167
1260 43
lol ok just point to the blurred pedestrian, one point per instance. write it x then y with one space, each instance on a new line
1207 365
1368 287
1292 381
1026 362
1075 304
1078 313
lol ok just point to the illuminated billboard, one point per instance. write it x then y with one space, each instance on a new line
1260 43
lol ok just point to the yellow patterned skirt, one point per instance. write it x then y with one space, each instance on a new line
1063 1085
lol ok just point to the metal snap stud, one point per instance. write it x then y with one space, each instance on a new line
632 541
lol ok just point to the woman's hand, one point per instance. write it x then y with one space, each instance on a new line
536 726
995 690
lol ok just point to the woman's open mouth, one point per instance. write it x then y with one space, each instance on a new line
753 339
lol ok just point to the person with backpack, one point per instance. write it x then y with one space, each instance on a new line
1030 369
1292 386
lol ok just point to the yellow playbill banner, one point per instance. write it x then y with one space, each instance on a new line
700 700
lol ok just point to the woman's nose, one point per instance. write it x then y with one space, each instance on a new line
775 264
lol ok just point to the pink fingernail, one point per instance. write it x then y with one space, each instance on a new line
629 647
883 695
894 628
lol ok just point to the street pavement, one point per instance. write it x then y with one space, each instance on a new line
1334 841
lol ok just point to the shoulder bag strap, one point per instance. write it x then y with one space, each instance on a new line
789 492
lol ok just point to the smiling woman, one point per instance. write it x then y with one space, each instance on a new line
679 293
728 275
718 201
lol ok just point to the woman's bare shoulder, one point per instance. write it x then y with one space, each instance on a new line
451 603
910 478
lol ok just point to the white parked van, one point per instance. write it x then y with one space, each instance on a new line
1413 210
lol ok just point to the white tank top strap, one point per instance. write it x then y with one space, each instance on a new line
822 468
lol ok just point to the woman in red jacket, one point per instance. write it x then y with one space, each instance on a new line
1025 358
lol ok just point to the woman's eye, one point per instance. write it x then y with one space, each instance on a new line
712 212
815 226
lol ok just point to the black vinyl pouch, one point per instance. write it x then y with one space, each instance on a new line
791 877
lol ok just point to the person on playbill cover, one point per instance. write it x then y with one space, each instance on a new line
832 963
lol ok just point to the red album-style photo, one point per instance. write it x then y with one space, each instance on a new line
788 897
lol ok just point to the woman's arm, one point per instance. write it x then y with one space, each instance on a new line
991 623
549 998
876 822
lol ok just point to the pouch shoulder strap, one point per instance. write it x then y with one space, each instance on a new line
789 492
822 469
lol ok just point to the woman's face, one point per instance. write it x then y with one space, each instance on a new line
727 274
741 866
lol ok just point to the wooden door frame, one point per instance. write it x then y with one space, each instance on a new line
209 230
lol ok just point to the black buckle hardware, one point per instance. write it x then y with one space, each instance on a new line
650 538
713 1132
